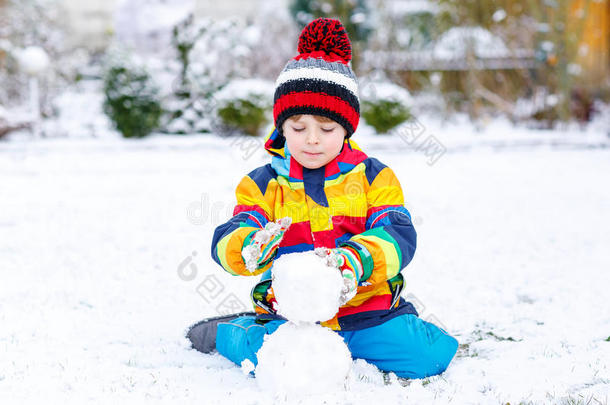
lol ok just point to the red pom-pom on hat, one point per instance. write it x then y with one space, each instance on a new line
328 36
319 80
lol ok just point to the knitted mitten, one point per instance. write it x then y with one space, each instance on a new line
260 247
347 261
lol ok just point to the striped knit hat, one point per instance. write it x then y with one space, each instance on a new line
319 80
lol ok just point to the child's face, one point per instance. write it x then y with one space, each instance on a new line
311 142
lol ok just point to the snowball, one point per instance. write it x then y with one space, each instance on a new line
304 358
305 288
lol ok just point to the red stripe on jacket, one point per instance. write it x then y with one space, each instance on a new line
241 208
297 233
377 302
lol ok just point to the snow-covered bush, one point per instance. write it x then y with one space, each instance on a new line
457 42
384 105
188 103
401 26
34 24
549 71
8 122
131 101
146 25
243 106
212 53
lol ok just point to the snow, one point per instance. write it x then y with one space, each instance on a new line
6 46
33 60
374 90
499 15
300 360
80 113
253 252
456 42
252 35
247 366
512 260
305 288
247 89
410 7
147 25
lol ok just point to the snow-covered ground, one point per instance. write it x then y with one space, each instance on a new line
105 262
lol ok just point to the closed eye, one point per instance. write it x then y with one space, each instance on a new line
298 129
328 130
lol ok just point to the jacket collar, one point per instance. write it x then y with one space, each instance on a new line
286 166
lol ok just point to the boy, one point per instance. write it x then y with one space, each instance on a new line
322 193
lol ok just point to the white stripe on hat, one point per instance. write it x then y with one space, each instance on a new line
318 74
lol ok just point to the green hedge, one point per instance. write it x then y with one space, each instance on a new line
131 101
244 115
384 115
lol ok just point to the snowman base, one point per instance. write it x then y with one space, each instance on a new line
303 358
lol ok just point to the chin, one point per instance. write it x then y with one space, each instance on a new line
312 166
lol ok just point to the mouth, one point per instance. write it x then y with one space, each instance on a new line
311 153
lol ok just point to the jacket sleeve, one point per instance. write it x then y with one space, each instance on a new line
251 214
388 243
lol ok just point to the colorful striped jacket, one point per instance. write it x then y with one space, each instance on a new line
354 200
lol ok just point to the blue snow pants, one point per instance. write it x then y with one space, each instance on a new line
405 345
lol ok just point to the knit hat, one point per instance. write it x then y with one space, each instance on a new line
319 80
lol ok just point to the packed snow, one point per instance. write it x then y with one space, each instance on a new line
512 260
263 240
300 360
305 288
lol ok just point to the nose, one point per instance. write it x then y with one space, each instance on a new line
312 137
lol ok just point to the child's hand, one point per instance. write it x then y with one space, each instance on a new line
348 263
261 248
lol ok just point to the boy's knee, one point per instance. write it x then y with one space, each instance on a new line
434 352
436 359
406 345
